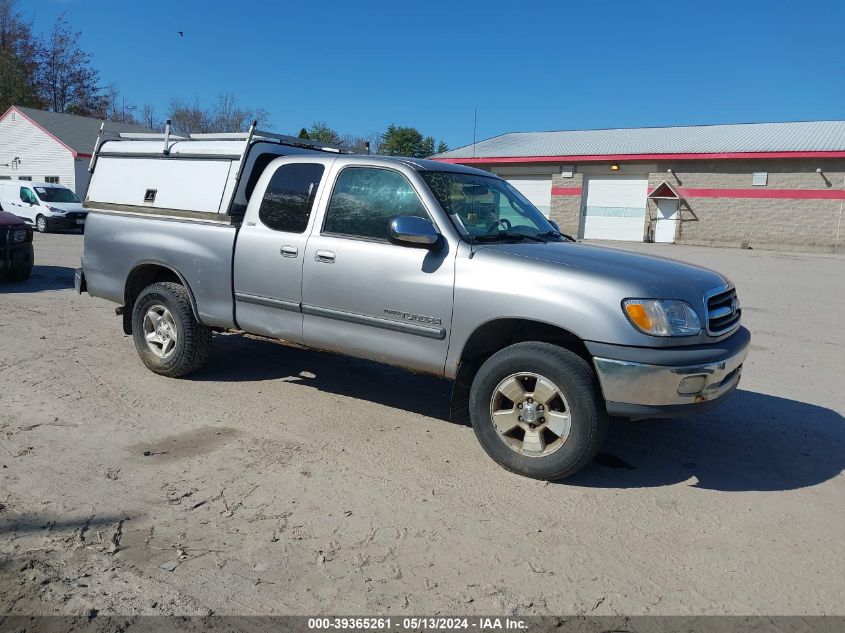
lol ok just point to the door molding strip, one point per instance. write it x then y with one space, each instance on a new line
438 333
268 302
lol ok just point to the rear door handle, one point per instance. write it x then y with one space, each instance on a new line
326 257
289 251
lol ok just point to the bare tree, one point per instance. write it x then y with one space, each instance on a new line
187 118
225 115
113 106
66 79
148 116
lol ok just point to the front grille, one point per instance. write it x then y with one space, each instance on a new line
723 312
76 215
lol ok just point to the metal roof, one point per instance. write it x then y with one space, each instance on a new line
802 136
79 133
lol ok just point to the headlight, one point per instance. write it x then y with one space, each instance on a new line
55 209
662 317
20 235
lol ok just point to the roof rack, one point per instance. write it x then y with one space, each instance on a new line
248 137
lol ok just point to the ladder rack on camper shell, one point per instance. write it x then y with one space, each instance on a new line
206 177
249 137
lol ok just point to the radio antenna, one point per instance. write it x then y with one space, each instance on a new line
474 126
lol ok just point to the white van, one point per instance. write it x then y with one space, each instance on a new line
48 206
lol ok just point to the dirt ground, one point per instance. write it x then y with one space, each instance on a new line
284 481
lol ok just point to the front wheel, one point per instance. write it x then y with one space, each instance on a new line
41 224
168 338
21 274
537 410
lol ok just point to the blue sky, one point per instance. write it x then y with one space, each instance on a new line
361 65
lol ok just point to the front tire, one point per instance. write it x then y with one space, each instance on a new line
168 338
41 224
537 410
21 274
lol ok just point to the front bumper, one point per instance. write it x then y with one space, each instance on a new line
70 220
14 255
680 381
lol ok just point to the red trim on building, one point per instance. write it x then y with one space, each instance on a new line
790 194
566 191
593 158
74 153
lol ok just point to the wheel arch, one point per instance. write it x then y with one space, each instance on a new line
148 272
491 336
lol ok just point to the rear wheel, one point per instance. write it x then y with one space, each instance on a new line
41 224
168 338
537 410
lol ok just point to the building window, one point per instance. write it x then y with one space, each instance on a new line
5 177
52 179
760 178
24 177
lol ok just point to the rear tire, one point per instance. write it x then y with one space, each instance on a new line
550 418
41 224
168 338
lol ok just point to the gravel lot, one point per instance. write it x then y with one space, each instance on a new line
284 481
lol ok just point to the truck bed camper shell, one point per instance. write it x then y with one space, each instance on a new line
133 172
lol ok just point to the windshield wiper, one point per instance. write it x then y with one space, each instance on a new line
507 235
564 236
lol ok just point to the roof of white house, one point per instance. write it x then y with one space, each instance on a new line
77 133
743 138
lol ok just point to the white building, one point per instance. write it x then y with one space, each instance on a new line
50 146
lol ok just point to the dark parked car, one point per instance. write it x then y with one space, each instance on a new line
16 255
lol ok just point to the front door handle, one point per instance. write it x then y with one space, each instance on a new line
327 257
289 251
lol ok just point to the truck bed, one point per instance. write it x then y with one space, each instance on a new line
201 252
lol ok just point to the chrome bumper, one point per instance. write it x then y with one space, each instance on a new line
669 386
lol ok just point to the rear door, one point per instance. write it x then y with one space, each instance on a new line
368 297
270 248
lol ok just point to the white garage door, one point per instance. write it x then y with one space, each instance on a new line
538 190
615 209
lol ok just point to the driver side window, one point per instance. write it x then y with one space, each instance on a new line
366 198
27 196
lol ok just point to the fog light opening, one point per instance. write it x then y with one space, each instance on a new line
692 385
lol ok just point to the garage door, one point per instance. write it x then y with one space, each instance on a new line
615 209
538 190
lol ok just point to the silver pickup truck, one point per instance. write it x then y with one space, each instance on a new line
433 267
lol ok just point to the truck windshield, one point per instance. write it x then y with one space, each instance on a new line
487 208
55 194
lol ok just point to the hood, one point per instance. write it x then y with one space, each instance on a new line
658 277
65 206
9 219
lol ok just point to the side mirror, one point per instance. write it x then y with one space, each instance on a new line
555 225
408 230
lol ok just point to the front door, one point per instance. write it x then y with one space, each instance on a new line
270 249
26 206
667 221
365 296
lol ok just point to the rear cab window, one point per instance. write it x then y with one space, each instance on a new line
289 197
